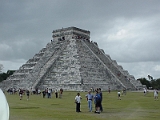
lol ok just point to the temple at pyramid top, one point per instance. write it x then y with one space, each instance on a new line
70 33
73 62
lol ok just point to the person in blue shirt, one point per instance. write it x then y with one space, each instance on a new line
100 92
97 99
89 97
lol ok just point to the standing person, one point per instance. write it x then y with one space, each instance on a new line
31 91
44 93
144 91
39 92
78 102
97 102
27 92
56 93
49 93
20 93
100 93
155 94
60 93
119 95
4 108
89 97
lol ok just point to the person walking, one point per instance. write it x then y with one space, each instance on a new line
78 102
119 95
155 94
89 97
20 93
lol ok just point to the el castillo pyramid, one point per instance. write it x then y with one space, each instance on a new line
73 62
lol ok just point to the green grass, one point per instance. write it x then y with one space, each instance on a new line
133 106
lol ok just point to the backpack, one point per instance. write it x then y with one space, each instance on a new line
98 97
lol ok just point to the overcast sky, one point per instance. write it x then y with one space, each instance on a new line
127 30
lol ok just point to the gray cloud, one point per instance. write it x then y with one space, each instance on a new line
127 30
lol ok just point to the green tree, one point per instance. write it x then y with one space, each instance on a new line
4 76
144 81
155 83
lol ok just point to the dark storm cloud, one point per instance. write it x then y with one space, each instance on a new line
127 30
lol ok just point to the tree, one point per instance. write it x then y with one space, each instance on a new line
150 77
144 81
4 76
155 84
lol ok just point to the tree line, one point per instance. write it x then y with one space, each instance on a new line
151 83
4 76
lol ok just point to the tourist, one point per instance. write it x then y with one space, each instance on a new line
56 93
46 90
119 95
155 94
124 91
4 108
100 92
27 92
89 97
49 93
78 102
60 93
20 93
109 90
14 90
39 92
44 93
31 91
97 100
144 91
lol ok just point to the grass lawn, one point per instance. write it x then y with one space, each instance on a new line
133 106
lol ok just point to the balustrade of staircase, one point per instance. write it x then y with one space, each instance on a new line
42 67
110 64
94 70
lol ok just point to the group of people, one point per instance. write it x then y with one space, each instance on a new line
155 93
97 98
46 93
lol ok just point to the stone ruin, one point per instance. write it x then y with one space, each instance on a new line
73 62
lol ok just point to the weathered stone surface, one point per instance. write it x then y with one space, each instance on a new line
72 62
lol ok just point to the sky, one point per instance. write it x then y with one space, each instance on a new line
127 30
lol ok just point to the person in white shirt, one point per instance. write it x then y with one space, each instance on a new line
49 93
144 91
78 102
119 95
155 94
4 108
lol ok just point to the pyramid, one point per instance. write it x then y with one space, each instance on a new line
73 62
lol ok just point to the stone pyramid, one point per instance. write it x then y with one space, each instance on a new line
72 62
